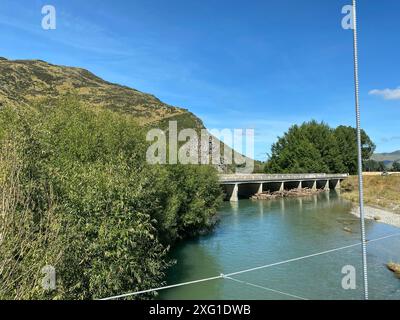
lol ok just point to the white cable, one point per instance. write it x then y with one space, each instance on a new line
162 288
265 288
307 256
291 260
247 270
359 150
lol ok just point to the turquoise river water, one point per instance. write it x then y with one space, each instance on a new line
257 233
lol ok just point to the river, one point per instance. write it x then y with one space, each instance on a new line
257 233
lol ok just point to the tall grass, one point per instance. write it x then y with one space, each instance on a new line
28 242
381 191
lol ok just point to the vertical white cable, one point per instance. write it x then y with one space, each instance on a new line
359 147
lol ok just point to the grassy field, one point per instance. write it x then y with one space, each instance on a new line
379 191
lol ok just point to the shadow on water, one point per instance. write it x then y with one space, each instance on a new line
188 255
256 233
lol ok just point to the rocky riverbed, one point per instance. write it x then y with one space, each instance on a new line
301 192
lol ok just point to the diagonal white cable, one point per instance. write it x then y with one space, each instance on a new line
246 270
162 288
308 256
265 288
292 260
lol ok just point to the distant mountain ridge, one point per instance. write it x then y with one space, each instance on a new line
25 81
387 158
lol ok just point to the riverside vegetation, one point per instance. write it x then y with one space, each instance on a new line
379 191
78 195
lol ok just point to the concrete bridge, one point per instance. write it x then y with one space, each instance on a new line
245 185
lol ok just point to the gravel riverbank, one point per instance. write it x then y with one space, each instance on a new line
379 215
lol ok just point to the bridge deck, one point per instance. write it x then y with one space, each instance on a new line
262 178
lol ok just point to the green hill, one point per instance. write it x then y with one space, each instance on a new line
25 81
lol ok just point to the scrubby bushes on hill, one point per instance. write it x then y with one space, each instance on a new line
81 192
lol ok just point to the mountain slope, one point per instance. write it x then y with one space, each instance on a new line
25 81
387 158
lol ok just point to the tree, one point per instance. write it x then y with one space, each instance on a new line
396 166
315 147
346 138
373 166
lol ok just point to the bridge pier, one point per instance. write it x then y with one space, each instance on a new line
295 184
272 186
300 186
247 190
334 184
323 184
234 196
310 184
231 192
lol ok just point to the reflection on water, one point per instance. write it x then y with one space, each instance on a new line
255 233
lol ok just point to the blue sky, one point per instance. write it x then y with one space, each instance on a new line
236 64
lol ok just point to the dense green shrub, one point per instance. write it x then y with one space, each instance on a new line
113 216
